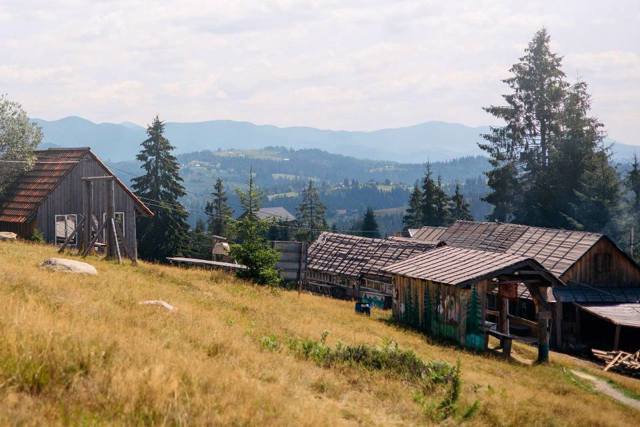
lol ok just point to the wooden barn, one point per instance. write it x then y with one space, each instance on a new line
350 267
443 292
596 272
50 196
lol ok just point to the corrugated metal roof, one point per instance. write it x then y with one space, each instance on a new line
459 266
428 234
620 314
352 255
51 166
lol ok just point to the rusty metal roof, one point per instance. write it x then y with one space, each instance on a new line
352 255
428 234
461 267
51 166
557 250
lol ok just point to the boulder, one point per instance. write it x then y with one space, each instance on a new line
7 235
69 266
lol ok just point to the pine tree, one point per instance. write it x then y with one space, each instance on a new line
252 249
459 207
200 243
250 200
166 233
633 184
370 225
218 211
310 216
441 202
429 199
520 150
413 214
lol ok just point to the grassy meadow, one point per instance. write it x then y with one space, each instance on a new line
82 350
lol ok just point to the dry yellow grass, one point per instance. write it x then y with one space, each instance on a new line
81 350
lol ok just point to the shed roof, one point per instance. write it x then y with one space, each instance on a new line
590 294
626 314
275 213
428 234
353 255
461 267
51 166
557 250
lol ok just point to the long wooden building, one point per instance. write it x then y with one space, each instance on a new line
596 305
351 267
49 198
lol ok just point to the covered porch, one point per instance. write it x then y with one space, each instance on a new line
444 293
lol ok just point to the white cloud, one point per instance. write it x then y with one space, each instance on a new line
356 64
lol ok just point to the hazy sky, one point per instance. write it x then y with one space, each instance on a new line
345 64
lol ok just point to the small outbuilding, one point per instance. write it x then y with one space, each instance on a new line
443 292
50 198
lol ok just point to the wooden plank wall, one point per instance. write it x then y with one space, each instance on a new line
623 272
67 199
293 259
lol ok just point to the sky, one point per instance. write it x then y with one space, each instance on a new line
345 64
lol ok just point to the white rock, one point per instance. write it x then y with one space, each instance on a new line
69 266
158 302
7 235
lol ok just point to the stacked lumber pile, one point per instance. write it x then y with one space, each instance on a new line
621 361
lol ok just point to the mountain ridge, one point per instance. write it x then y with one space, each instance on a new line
419 143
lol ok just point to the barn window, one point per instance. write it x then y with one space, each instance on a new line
118 217
65 227
603 262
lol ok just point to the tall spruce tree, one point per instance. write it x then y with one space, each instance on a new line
250 200
166 233
459 207
633 184
218 211
441 204
520 149
413 215
429 199
370 225
310 216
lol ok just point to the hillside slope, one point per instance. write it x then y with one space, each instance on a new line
81 350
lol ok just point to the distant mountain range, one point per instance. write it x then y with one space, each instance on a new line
430 141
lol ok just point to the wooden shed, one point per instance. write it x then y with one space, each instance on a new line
577 258
350 267
443 292
49 198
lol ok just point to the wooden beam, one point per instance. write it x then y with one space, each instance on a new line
76 231
115 241
98 178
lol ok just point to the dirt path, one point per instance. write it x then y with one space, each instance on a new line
604 387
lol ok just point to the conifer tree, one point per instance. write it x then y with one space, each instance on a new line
459 207
429 198
200 243
166 233
218 211
370 225
520 149
441 202
252 249
310 216
633 184
413 215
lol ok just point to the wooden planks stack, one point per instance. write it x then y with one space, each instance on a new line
621 361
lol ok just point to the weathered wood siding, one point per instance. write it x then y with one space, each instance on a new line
67 199
589 269
440 310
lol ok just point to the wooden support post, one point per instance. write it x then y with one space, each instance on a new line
77 232
616 338
87 212
543 335
115 241
558 325
503 321
111 237
93 240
